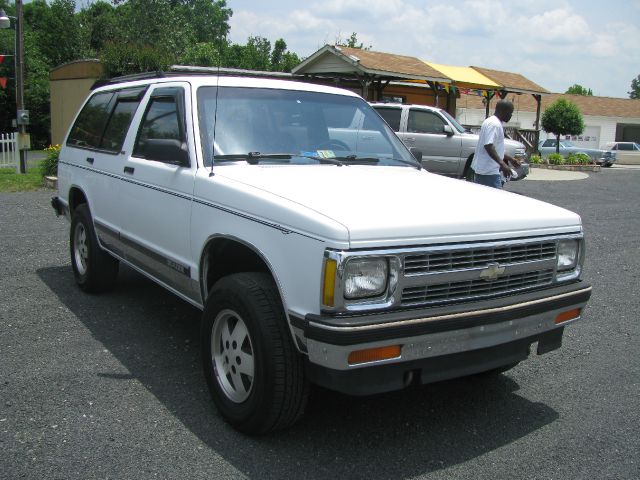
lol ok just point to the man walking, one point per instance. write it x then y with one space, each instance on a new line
489 160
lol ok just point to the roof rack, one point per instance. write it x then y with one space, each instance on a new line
187 70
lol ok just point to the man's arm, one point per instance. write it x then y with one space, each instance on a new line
504 168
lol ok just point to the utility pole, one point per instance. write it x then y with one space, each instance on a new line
22 115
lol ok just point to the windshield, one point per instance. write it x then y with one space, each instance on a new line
296 127
566 144
453 121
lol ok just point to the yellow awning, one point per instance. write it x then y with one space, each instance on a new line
465 77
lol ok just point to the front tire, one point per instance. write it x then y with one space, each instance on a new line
94 269
254 373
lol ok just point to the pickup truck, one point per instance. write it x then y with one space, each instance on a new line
447 147
317 247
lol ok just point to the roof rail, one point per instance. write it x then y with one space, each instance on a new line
127 78
186 70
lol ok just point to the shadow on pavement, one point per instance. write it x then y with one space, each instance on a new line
402 434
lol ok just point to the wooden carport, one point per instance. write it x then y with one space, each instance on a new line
367 71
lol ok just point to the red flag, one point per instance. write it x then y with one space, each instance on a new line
1 58
3 82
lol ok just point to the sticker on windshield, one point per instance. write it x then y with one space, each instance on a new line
326 154
319 154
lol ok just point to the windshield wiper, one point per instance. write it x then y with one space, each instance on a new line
254 158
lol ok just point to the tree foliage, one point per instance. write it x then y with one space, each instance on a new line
128 36
352 42
562 117
635 88
576 89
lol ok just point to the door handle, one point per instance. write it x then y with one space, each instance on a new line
90 160
410 139
128 170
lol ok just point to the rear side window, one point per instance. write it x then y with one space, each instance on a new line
90 124
391 116
424 122
104 121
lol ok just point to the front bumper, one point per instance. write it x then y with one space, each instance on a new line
435 343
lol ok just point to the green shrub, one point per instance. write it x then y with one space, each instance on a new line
571 159
583 158
49 166
535 159
556 159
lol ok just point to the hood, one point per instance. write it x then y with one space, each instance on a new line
386 206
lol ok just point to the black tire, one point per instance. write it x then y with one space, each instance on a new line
94 269
608 165
255 376
468 173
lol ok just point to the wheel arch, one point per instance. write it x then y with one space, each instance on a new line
223 255
76 197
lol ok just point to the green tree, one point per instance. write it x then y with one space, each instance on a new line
635 88
562 117
352 42
576 89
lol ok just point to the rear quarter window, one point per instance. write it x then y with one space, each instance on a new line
105 119
391 116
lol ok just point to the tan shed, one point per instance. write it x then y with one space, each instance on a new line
70 86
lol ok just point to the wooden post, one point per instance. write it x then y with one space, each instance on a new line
537 125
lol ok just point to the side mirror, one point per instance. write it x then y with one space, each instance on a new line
448 131
417 154
167 150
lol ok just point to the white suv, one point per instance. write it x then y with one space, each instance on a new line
316 246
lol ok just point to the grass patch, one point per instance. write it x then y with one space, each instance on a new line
10 181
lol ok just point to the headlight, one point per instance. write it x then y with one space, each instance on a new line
365 277
567 255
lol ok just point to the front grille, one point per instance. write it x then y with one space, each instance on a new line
441 261
454 291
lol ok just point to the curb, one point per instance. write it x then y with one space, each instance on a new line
568 168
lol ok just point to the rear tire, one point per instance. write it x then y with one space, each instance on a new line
94 269
255 374
467 173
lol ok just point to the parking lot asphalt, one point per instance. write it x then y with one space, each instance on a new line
110 386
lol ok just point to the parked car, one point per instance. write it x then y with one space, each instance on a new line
598 156
624 146
627 153
317 247
447 147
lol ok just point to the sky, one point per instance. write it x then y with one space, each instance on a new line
555 43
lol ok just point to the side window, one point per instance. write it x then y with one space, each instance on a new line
391 116
90 124
118 125
625 146
549 143
105 119
421 121
162 126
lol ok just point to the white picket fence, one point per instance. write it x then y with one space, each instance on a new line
9 154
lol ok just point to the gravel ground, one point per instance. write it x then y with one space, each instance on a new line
110 386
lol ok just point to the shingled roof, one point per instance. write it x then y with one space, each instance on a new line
334 59
588 105
512 82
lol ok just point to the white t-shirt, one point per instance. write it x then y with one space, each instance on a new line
490 133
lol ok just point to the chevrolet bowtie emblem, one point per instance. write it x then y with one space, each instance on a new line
492 272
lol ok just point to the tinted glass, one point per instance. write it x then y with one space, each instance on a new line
90 124
625 146
305 126
160 122
421 121
549 143
391 116
118 125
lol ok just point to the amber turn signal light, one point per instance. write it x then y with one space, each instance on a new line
374 354
568 315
